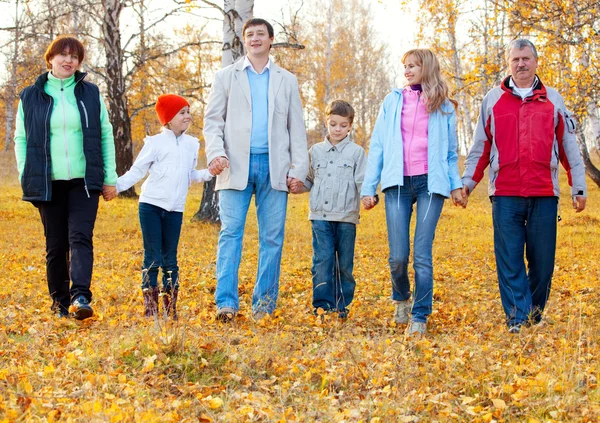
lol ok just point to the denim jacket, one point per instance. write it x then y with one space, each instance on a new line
386 163
334 178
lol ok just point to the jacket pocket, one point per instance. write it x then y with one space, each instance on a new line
542 137
345 169
506 139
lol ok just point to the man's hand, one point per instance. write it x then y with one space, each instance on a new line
579 203
217 165
109 192
295 185
459 198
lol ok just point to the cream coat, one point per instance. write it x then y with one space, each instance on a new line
228 123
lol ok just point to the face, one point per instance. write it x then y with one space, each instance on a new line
181 121
338 128
64 64
523 65
257 40
412 70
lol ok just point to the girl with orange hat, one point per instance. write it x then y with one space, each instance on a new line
171 158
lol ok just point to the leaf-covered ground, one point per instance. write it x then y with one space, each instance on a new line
119 366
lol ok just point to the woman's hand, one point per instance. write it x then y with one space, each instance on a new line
369 202
109 192
459 197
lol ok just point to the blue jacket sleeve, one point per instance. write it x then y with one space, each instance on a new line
374 157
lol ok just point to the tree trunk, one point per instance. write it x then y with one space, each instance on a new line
236 12
11 89
117 100
591 170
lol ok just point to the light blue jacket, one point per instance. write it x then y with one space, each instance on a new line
385 161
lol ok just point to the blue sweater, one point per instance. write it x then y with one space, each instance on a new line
259 90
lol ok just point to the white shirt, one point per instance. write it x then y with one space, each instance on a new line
248 64
522 92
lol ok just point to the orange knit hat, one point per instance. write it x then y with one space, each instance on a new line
168 105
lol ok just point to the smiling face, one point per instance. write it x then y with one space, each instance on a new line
523 64
413 71
257 40
181 121
64 64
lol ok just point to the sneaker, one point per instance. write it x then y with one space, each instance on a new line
226 314
416 328
343 314
259 315
81 308
514 329
402 311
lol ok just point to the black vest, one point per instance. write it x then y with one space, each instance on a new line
37 108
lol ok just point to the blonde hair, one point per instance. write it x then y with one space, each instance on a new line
435 88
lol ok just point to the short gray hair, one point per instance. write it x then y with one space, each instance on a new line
520 43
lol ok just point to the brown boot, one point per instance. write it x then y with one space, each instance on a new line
150 301
174 303
170 303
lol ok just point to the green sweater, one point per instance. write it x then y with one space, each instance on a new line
66 137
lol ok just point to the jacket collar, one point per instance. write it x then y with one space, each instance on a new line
43 78
539 90
339 146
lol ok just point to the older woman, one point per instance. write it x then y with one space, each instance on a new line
66 158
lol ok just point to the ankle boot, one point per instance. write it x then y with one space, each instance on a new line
150 301
166 302
170 303
173 310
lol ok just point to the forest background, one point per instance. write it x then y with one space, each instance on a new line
119 367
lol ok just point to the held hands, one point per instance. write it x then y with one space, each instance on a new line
460 197
217 165
369 202
295 185
109 192
579 203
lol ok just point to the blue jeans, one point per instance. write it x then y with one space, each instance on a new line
271 207
333 262
398 210
528 224
160 232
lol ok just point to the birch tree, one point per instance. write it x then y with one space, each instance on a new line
235 13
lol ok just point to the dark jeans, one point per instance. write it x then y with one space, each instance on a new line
160 232
68 221
528 224
333 262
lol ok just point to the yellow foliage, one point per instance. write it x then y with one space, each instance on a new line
294 366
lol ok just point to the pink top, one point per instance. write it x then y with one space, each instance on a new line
414 132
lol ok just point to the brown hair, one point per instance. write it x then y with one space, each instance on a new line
64 43
258 22
340 108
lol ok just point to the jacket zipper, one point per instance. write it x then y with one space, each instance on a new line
63 101
46 138
87 123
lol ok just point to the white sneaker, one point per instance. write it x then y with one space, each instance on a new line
402 311
416 328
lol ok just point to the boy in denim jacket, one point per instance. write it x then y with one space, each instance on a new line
337 168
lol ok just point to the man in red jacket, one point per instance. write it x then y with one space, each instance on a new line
524 130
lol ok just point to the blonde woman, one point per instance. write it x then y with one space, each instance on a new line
413 153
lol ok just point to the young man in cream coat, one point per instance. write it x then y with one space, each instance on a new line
256 144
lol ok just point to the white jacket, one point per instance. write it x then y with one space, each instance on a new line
171 162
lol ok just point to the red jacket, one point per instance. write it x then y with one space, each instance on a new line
523 140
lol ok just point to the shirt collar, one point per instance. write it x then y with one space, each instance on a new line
339 146
248 64
513 86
